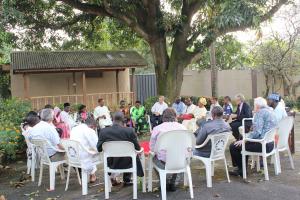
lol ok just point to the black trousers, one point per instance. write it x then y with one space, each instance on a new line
236 155
235 129
155 120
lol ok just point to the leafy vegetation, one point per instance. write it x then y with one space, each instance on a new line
12 112
177 32
230 54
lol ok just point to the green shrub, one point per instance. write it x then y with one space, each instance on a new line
11 142
12 112
290 102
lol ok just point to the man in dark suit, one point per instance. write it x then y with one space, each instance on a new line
243 111
118 132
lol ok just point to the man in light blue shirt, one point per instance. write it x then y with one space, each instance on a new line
264 121
179 106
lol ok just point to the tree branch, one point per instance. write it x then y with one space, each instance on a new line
214 32
106 10
86 7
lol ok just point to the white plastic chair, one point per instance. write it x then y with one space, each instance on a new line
41 146
118 149
149 123
269 137
218 147
284 128
73 149
178 147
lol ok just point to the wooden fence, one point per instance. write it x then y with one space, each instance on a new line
111 99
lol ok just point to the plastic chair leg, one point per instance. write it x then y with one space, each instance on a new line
41 175
33 163
84 184
244 166
291 158
29 163
278 161
78 176
163 180
134 176
68 178
212 168
189 175
257 163
185 179
62 172
276 165
226 168
144 178
252 162
150 170
106 183
52 169
208 174
266 172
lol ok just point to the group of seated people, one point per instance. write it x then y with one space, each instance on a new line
44 125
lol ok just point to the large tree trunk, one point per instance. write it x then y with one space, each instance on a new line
214 71
169 71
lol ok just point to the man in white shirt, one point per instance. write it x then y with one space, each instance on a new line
214 102
66 117
86 135
157 110
102 114
273 102
44 130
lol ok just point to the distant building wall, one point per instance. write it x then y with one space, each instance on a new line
230 82
54 84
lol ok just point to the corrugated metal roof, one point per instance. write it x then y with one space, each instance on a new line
22 61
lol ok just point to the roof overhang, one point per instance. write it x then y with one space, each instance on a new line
23 62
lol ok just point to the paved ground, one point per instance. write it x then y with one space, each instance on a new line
286 186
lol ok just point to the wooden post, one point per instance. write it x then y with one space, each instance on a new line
132 85
117 86
26 86
84 88
74 82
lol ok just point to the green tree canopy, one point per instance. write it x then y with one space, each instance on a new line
186 27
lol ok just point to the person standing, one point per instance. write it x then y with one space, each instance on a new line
102 114
179 106
243 111
157 111
66 117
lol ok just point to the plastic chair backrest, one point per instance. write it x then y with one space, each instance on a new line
284 128
178 148
41 146
118 149
270 135
73 149
218 144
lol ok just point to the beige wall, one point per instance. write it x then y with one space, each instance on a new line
230 82
54 84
